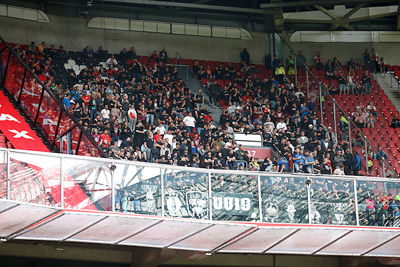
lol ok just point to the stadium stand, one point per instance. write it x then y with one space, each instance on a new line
138 108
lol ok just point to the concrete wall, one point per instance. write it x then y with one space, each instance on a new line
344 51
74 34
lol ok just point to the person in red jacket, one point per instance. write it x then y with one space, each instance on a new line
105 139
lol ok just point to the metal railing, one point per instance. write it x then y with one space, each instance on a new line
310 74
40 106
78 182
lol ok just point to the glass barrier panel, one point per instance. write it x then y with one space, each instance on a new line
65 124
14 75
48 115
87 148
186 194
75 133
35 178
332 201
137 189
378 203
3 63
30 96
234 197
284 199
87 184
3 174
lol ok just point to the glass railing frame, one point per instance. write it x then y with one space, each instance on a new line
309 178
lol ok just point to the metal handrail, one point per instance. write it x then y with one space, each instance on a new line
348 117
199 170
63 109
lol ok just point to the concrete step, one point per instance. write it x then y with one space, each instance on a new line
194 84
390 86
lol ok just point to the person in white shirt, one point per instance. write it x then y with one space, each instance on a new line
231 108
339 171
281 125
132 118
112 61
190 122
269 125
160 128
105 112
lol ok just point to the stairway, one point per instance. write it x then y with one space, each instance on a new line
390 86
194 84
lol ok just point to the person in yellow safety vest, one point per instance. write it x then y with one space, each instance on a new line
343 125
369 164
280 73
291 70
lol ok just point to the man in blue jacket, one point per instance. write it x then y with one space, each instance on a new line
356 163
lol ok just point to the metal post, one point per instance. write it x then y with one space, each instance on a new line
334 119
260 199
308 182
8 173
383 169
113 166
308 84
210 195
356 202
61 182
295 68
366 155
350 141
320 104
162 192
391 81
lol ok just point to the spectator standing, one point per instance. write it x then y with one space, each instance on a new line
132 118
366 80
268 61
190 122
245 56
163 56
356 163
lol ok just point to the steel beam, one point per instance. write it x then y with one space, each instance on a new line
325 2
191 5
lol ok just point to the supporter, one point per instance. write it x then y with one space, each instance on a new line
357 164
395 123
366 80
367 59
339 171
318 61
382 65
326 167
245 56
309 162
342 84
268 61
280 73
350 83
163 56
111 62
87 51
380 154
372 109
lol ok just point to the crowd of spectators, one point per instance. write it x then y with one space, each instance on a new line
143 111
377 207
287 120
